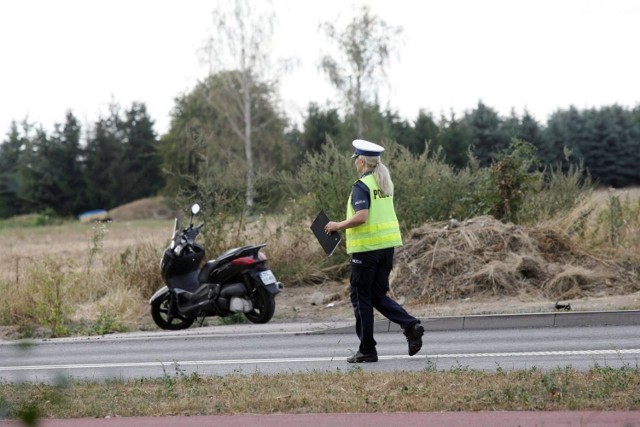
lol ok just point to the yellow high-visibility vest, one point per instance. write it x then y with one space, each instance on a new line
381 229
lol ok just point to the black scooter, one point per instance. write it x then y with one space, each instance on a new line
238 281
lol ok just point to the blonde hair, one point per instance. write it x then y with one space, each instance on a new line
380 173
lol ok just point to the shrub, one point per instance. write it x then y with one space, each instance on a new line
42 299
559 192
428 189
326 177
514 175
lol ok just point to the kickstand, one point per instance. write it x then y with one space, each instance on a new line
201 321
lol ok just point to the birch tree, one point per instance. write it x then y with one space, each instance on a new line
237 53
365 47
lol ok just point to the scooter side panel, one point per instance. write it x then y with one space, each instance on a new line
159 294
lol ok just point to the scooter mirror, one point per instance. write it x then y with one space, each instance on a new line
195 208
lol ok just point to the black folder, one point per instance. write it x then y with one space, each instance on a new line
329 242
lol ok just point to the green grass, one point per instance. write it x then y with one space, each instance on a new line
36 220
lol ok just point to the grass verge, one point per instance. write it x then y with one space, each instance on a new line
352 390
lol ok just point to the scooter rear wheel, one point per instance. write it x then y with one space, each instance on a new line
161 313
264 305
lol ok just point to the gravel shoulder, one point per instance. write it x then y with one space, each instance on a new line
330 302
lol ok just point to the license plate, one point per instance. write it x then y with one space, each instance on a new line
267 277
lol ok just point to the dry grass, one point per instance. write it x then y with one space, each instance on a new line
100 271
291 251
72 242
339 392
110 271
574 282
608 223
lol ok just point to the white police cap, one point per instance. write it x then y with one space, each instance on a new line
366 148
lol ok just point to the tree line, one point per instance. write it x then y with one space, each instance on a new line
121 158
63 173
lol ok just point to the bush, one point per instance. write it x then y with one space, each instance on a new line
326 178
515 176
428 189
40 298
559 192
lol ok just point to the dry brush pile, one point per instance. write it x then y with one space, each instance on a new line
482 256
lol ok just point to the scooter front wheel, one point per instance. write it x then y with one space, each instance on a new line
164 317
264 305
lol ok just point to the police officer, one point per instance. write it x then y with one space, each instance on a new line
372 233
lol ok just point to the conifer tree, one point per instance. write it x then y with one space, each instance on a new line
9 155
486 136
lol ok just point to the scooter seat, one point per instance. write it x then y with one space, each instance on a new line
211 265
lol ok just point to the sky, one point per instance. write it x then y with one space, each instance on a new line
512 55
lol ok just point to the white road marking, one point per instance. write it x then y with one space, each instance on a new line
317 359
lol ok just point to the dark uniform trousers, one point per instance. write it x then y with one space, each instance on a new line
369 286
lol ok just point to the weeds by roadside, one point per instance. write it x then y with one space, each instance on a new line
351 390
89 292
615 229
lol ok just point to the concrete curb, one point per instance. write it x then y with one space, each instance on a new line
510 321
445 323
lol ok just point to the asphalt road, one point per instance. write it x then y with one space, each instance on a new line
546 341
275 348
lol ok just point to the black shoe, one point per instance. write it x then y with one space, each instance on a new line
363 358
414 338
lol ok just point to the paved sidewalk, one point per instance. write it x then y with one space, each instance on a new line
404 419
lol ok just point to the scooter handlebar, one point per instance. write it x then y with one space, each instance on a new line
192 232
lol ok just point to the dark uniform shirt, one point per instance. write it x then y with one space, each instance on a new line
360 197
